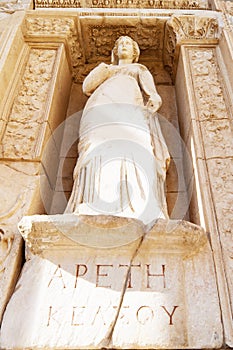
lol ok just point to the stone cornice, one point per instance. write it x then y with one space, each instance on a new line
89 36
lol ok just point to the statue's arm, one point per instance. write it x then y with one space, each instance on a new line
146 82
96 77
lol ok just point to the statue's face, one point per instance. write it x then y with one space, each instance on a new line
125 49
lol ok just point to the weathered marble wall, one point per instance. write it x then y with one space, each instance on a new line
41 50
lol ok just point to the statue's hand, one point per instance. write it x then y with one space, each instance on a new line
154 104
96 77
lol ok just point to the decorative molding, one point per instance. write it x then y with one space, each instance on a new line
27 115
153 4
102 37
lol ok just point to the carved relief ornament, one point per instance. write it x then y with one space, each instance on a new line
163 4
62 28
188 29
20 139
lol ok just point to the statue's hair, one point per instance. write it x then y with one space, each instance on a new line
136 50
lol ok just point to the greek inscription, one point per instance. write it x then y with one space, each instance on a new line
122 316
170 314
57 274
146 275
130 273
149 274
145 314
81 270
51 316
99 317
76 313
99 274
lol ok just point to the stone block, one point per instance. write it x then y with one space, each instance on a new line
103 282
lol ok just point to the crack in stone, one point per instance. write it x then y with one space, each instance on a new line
106 343
20 171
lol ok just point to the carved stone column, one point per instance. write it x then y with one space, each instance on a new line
30 72
204 103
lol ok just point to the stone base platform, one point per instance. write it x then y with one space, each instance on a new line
101 282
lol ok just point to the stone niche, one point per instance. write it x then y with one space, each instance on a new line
102 282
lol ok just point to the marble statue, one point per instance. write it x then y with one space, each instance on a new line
123 158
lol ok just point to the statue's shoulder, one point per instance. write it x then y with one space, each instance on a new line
141 67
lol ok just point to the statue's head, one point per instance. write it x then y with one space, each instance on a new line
125 48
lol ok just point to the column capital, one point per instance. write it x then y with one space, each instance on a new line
196 29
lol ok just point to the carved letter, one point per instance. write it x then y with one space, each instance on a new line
51 315
122 315
98 274
58 274
76 314
100 314
79 274
130 274
170 315
144 314
155 275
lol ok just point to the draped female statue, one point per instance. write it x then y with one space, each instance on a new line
123 158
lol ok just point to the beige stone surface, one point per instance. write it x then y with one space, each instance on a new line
143 291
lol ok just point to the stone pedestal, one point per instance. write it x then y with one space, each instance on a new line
101 282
